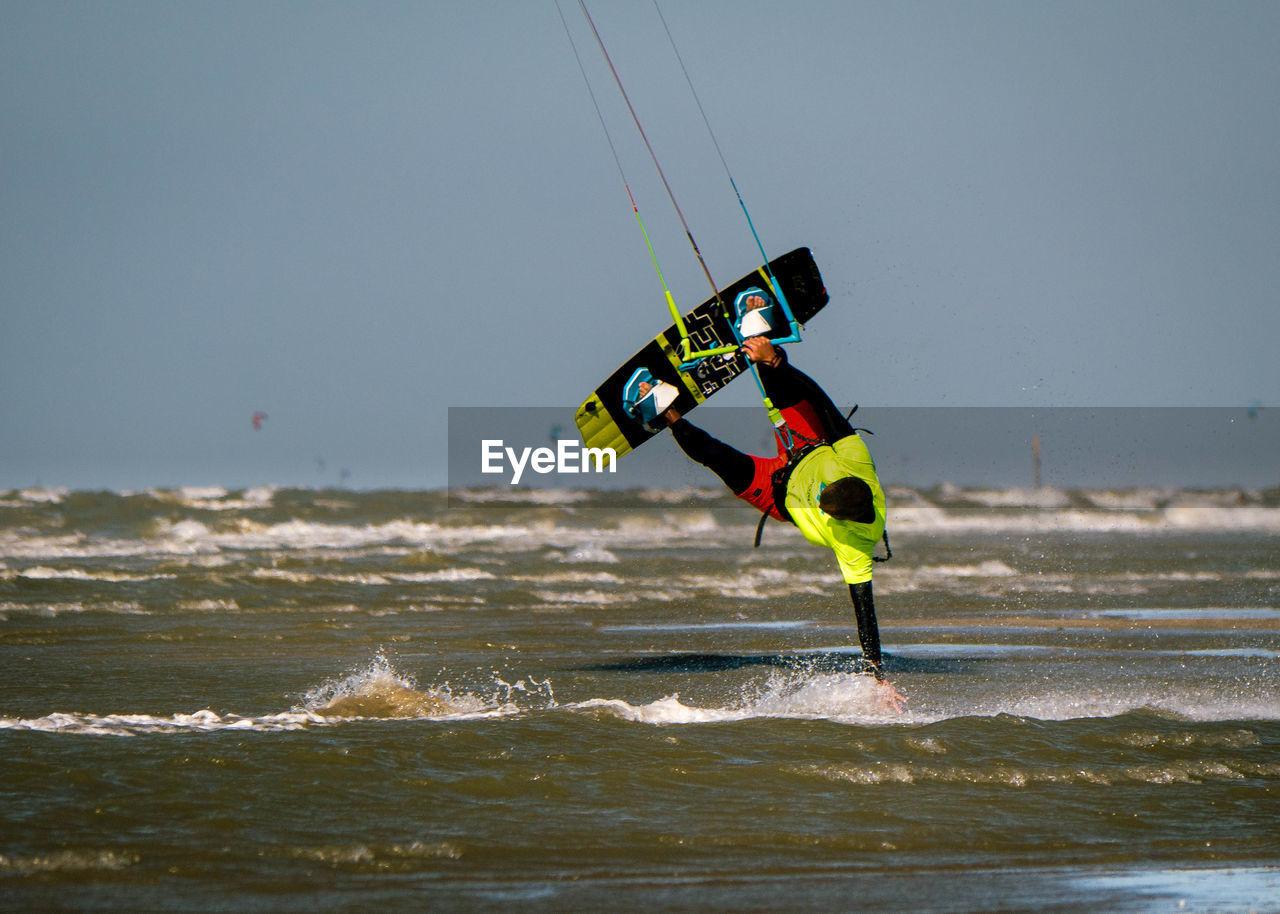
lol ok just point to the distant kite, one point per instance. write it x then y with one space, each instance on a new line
257 421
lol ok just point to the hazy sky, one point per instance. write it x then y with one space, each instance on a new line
352 216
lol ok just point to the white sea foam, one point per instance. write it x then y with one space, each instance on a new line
756 583
849 698
570 577
530 536
651 527
136 724
1189 703
694 522
668 710
1146 511
304 577
991 568
1143 500
215 498
1218 519
375 691
44 496
189 536
375 855
590 597
446 575
22 545
44 573
199 493
304 535
841 697
919 515
116 607
67 861
208 605
379 691
587 553
1045 497
681 496
1025 522
521 496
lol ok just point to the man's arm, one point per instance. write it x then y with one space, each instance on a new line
764 353
864 610
787 385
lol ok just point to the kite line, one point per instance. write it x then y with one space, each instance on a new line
653 155
687 353
775 416
777 287
671 302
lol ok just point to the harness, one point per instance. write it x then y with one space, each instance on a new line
782 476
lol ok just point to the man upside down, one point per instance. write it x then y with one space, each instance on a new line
825 482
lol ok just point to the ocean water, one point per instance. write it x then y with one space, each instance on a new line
301 700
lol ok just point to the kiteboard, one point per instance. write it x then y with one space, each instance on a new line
604 421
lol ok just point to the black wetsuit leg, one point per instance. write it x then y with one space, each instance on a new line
864 610
735 469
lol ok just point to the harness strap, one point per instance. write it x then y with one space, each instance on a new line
760 529
782 476
888 553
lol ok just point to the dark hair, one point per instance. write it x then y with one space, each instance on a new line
848 498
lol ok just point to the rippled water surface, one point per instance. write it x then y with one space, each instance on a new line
279 699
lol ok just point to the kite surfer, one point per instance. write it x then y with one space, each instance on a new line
822 479
825 483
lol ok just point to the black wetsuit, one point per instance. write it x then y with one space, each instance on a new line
761 481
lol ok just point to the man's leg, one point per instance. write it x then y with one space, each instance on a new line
750 478
735 469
